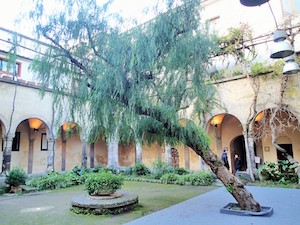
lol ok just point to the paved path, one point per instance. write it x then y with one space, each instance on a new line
204 209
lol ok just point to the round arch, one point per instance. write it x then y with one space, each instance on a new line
17 122
4 124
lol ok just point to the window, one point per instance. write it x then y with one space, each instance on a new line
8 67
16 142
290 7
44 142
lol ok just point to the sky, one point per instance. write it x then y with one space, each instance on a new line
128 8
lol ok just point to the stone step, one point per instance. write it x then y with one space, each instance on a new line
28 188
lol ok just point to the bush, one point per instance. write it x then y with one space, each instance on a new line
56 180
201 178
16 177
180 180
103 181
80 170
160 168
140 169
281 171
169 178
181 171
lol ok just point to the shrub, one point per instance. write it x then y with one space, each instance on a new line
169 178
103 181
201 178
16 177
140 169
80 170
161 168
281 171
259 68
180 180
99 167
181 171
55 180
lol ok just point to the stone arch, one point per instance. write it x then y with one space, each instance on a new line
4 124
222 129
17 122
68 146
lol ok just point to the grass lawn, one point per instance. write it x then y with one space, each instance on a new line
52 207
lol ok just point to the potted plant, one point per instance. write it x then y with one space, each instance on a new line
14 178
103 183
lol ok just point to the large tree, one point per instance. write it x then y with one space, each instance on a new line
133 81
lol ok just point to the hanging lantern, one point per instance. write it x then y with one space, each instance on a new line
282 48
253 2
290 67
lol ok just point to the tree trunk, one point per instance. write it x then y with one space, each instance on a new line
232 183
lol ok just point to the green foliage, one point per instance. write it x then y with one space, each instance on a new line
101 167
259 68
281 171
180 171
181 180
201 178
56 180
140 169
237 43
160 168
277 67
103 181
16 177
110 70
80 170
169 178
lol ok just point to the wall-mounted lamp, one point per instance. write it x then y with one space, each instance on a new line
259 117
68 126
217 120
35 124
253 2
282 48
35 130
290 67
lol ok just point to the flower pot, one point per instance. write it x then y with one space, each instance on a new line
15 189
103 192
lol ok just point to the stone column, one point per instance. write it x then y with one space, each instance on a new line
84 154
138 152
7 146
186 157
168 155
92 155
63 150
51 154
249 146
113 152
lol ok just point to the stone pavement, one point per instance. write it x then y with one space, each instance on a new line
205 209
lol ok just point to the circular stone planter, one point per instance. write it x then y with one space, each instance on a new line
232 208
110 204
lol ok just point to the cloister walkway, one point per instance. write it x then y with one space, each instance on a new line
205 209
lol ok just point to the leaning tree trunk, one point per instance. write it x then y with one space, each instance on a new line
232 183
246 201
